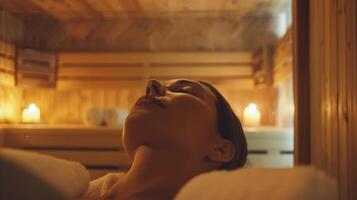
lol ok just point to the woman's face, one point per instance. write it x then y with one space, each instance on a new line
177 115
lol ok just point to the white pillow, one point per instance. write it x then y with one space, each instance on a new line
303 183
68 177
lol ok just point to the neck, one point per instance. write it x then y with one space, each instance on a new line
156 174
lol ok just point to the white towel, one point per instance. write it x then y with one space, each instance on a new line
115 117
95 116
301 183
100 187
69 178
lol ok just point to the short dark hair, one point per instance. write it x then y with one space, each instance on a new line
230 128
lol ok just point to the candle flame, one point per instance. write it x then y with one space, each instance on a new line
251 115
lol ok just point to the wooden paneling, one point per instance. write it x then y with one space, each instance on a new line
70 105
35 68
351 56
283 58
333 91
134 69
11 27
263 67
153 58
7 64
10 104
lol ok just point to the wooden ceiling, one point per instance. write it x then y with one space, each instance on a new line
149 25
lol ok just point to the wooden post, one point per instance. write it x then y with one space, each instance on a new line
301 82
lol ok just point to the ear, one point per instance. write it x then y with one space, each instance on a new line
223 151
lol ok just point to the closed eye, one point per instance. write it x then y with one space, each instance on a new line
186 89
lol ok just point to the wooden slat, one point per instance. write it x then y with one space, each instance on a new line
7 64
283 49
282 58
333 85
35 68
283 73
351 47
7 49
83 58
81 84
82 71
134 69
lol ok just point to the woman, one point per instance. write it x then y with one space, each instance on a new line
179 129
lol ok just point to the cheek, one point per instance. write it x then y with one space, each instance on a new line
191 117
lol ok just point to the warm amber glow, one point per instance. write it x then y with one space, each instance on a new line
251 115
31 114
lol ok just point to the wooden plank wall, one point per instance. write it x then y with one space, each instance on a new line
7 64
282 58
350 47
10 96
117 80
35 68
67 106
10 104
333 91
134 69
11 28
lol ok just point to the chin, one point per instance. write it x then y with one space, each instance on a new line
142 128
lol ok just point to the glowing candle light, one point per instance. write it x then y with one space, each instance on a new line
31 114
251 116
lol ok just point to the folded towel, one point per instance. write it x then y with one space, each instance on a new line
268 184
100 187
115 117
95 116
69 178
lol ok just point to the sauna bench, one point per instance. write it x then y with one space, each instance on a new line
98 148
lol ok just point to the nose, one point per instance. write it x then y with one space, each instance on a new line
155 88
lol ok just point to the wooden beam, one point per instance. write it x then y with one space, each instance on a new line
83 71
195 57
302 141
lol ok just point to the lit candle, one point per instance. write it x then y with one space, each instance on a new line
31 114
251 116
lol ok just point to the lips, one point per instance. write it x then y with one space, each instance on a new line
150 99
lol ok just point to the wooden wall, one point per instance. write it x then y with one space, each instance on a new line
7 64
282 58
333 77
11 32
134 69
67 106
10 103
112 80
11 28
